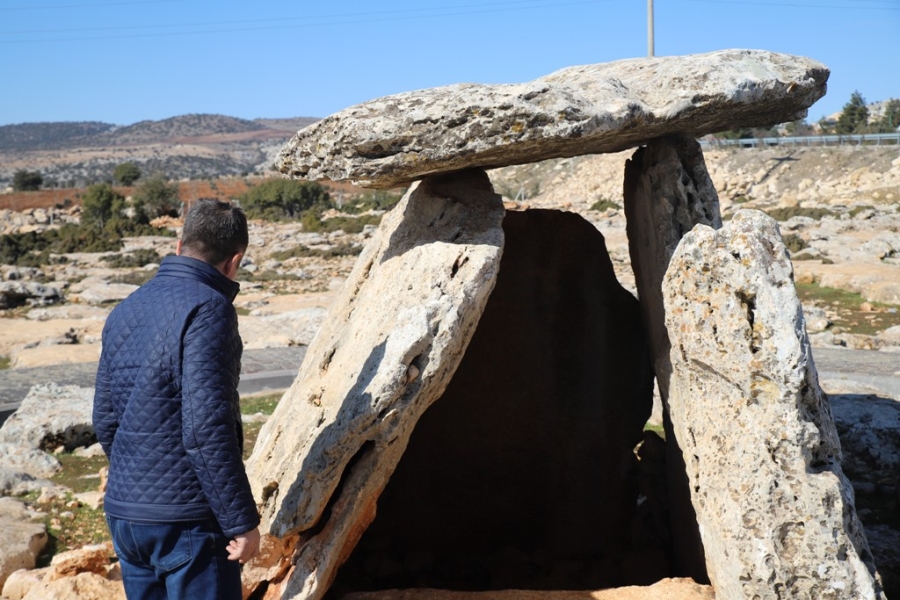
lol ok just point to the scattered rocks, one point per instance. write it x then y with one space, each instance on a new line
19 293
51 416
20 540
17 458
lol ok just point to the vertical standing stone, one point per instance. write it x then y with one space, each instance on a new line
391 342
667 193
776 512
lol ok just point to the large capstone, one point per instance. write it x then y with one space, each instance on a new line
775 511
578 110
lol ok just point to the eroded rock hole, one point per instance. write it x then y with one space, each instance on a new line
523 474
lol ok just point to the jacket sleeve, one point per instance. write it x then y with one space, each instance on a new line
210 416
103 413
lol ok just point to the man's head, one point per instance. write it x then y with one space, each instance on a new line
215 232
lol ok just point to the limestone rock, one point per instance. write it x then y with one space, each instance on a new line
15 483
17 293
89 559
294 328
578 110
84 586
869 428
20 582
20 543
20 459
51 416
104 293
776 512
392 339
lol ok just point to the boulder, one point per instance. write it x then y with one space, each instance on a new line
869 429
20 582
89 559
294 328
16 483
15 458
51 416
84 586
104 293
587 109
20 539
17 293
392 340
775 510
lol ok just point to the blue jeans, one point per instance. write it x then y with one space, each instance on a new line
169 561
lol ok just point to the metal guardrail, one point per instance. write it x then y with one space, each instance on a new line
866 139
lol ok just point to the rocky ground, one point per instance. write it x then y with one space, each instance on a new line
837 208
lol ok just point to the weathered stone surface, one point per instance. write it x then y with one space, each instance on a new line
578 110
17 293
869 428
667 589
294 328
20 582
51 416
776 512
84 586
525 465
21 459
16 483
89 559
20 543
103 293
667 192
392 340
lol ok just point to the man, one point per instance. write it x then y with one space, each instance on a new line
166 412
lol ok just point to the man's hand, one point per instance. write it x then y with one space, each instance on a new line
244 546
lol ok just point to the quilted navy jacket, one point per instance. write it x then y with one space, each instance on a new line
166 403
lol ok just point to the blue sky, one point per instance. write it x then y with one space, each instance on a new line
122 61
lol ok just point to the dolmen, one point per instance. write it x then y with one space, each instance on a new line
467 416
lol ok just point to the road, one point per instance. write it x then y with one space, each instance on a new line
261 370
275 368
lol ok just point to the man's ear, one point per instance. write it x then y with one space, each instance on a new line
178 248
232 265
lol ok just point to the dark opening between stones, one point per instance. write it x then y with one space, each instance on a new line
523 474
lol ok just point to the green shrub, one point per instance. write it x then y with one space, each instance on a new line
783 214
155 197
794 243
138 258
371 200
99 204
278 199
602 205
306 252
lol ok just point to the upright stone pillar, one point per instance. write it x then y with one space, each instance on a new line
667 192
392 341
776 512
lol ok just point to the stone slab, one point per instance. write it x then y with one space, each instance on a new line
588 109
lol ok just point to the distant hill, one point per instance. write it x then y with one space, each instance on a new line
26 137
49 136
184 147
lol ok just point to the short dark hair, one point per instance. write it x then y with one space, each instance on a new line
214 230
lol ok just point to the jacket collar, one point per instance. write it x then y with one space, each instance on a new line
192 268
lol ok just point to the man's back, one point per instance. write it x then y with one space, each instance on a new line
169 373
